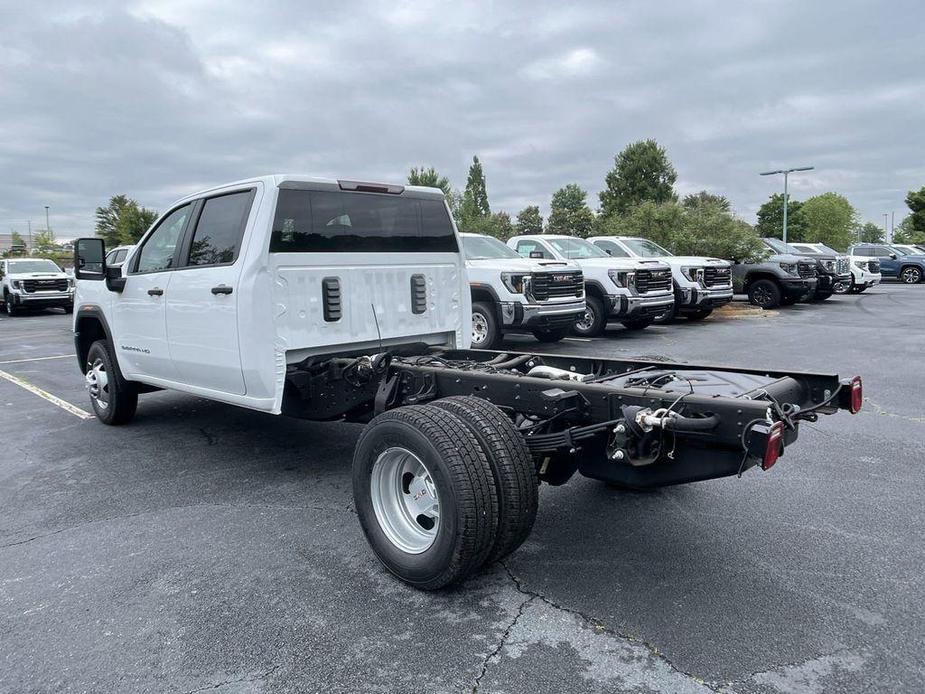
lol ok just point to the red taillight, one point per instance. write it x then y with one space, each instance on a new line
857 395
774 446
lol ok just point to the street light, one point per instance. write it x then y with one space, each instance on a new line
47 226
786 173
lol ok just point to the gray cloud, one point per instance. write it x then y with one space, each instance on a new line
159 98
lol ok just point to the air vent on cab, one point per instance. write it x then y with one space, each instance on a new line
331 301
418 294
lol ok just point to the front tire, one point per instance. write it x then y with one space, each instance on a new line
485 331
910 275
114 399
550 334
593 321
8 305
765 294
425 496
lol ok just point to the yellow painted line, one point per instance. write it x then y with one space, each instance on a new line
23 361
53 399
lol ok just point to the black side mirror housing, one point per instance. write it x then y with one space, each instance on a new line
115 282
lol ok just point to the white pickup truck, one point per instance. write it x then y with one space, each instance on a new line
700 284
510 293
344 300
631 291
34 283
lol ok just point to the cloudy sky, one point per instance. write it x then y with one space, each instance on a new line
159 98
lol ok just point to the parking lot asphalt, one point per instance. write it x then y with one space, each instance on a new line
209 548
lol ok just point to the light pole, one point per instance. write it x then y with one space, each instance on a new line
786 173
887 234
47 225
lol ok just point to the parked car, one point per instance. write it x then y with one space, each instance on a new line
334 300
34 283
865 272
629 290
894 263
117 255
777 279
510 293
832 269
909 250
700 284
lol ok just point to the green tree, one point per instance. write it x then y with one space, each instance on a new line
830 219
915 199
43 242
708 230
771 219
429 177
570 213
707 198
870 233
529 221
906 233
123 221
17 244
659 222
498 225
475 196
642 171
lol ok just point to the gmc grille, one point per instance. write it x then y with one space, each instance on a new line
844 266
807 270
557 285
873 265
717 276
652 281
44 285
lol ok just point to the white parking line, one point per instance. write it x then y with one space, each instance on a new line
54 400
578 339
23 361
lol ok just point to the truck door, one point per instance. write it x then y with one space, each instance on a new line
138 311
202 306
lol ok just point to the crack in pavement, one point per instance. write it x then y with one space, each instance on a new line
880 410
496 653
237 680
598 626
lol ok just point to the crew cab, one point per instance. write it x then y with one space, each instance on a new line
894 262
631 291
865 272
833 270
27 283
700 284
349 301
510 293
777 279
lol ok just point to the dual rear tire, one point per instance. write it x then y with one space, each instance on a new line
442 490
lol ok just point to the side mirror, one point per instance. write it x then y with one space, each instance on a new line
536 254
608 251
90 259
893 256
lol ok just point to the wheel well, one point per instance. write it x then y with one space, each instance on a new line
594 289
755 276
483 295
88 330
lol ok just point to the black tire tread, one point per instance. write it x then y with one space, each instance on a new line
124 400
512 466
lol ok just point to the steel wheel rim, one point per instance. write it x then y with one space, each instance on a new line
586 322
405 500
910 275
98 383
479 328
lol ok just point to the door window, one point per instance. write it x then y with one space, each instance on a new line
158 251
612 249
217 239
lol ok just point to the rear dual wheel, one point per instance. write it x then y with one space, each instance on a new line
443 489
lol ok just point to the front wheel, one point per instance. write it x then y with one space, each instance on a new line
637 323
842 287
485 331
425 495
910 275
11 309
593 321
550 334
764 293
113 398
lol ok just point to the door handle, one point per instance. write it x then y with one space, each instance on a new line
222 289
155 291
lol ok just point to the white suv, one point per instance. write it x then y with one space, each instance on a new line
34 283
510 293
865 272
629 290
700 284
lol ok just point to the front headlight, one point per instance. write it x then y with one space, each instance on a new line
621 278
516 282
789 268
15 284
693 273
71 283
861 264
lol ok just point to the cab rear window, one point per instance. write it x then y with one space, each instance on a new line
311 221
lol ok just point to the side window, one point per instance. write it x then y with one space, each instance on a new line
882 251
613 249
120 256
217 239
158 251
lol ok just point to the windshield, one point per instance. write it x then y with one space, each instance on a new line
910 250
818 249
577 248
779 246
485 247
645 248
17 266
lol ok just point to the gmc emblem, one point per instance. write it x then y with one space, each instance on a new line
561 278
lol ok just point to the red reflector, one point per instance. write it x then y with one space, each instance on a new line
774 446
857 395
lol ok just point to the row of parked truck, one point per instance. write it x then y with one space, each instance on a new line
553 285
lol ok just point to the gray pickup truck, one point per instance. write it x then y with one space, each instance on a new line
777 280
833 270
